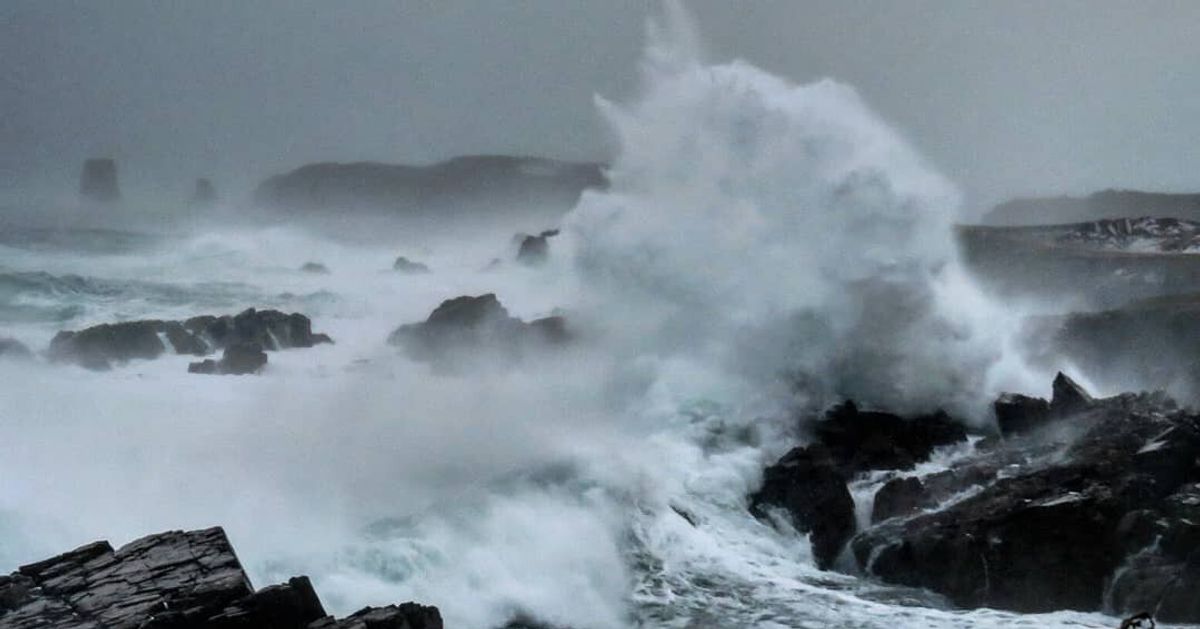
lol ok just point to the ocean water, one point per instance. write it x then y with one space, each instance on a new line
765 247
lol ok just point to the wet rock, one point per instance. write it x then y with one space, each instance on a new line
535 250
12 348
173 580
808 487
1056 522
98 182
468 328
899 497
404 265
1016 413
315 267
1069 397
239 359
106 345
100 346
860 441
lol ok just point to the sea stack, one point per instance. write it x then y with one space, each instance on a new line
205 192
99 180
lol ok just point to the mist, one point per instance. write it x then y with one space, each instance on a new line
766 225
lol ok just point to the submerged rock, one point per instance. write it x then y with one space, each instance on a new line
205 193
404 265
108 344
239 359
314 267
467 328
807 485
1058 516
174 580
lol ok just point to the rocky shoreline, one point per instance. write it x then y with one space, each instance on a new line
1077 503
175 580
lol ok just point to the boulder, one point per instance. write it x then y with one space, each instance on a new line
861 441
808 487
899 497
1017 414
239 359
1052 523
314 267
404 265
98 182
99 346
466 328
12 348
173 580
108 344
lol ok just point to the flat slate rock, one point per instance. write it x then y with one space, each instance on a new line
174 580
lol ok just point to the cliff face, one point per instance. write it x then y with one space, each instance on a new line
472 182
1100 205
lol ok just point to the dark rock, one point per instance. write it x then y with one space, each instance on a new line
1016 413
314 267
98 347
12 348
535 250
102 346
899 497
463 184
1069 397
205 192
174 580
239 359
1062 519
808 487
465 328
403 616
99 181
865 440
404 265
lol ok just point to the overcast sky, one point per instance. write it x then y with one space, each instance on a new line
1004 97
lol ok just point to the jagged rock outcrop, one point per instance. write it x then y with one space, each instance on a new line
108 344
404 265
860 440
174 580
1016 413
1050 520
810 483
12 348
98 181
534 250
808 487
238 359
470 183
467 329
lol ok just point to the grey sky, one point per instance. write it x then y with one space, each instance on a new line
1004 97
